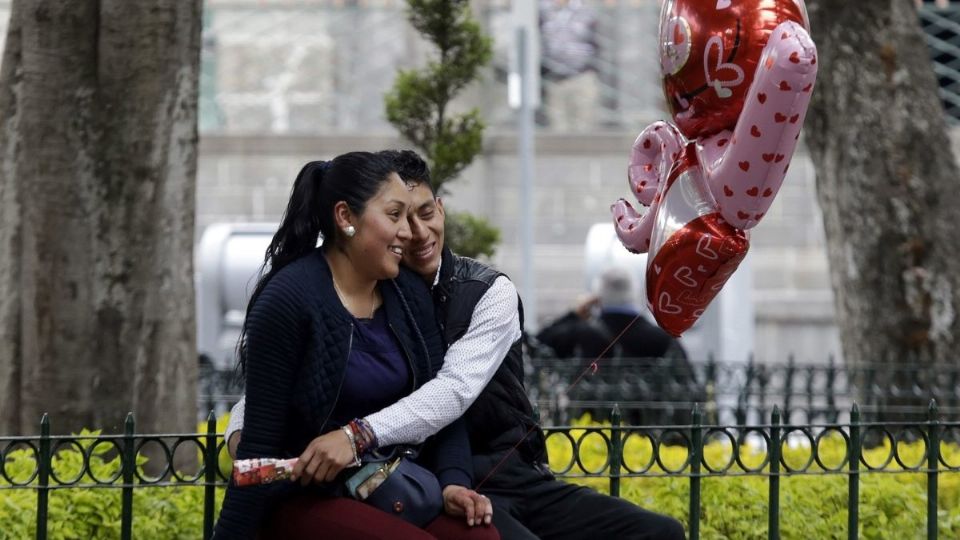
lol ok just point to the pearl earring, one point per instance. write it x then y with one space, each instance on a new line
349 230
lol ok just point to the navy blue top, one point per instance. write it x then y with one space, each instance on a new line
375 363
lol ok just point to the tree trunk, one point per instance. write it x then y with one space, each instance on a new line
888 187
98 148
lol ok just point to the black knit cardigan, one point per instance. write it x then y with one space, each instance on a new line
298 339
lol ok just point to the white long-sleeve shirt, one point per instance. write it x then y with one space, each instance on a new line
468 366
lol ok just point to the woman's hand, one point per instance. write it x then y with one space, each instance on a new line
324 458
460 501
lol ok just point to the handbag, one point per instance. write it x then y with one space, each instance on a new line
398 486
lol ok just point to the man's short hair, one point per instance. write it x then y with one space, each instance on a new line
616 287
410 166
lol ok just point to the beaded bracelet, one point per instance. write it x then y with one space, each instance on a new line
370 434
364 437
353 446
358 437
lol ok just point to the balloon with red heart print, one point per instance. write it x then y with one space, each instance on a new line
737 75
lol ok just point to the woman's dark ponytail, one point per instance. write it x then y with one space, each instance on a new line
297 235
300 225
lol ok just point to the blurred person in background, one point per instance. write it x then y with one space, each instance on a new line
568 34
607 326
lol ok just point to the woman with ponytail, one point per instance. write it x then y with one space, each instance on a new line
328 339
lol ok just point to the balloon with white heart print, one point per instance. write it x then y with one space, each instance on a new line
737 76
694 250
710 53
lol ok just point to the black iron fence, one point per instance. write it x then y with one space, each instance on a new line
218 389
856 438
772 446
941 25
660 391
656 391
124 462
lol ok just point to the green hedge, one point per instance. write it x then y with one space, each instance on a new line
161 512
892 506
734 507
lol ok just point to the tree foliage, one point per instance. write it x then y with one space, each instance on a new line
471 235
418 103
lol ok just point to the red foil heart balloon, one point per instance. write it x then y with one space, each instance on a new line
737 76
709 50
693 250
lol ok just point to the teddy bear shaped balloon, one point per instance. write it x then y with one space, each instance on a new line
737 75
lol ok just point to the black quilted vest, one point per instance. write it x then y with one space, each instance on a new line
502 415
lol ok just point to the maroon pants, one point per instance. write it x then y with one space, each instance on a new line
309 517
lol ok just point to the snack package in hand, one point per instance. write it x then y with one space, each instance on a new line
252 472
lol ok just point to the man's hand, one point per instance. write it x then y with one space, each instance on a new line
585 305
460 501
324 458
232 443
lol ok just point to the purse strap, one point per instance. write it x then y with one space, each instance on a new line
409 451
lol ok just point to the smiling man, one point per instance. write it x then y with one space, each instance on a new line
473 302
482 377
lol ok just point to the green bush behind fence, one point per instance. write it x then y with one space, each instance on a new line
736 485
736 503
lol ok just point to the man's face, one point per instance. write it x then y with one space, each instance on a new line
426 224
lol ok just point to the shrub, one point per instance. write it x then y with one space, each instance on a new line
168 512
892 506
419 106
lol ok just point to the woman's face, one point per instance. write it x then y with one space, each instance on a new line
382 231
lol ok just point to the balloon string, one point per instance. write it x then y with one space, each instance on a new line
592 368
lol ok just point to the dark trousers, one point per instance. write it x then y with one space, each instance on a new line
308 517
530 504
